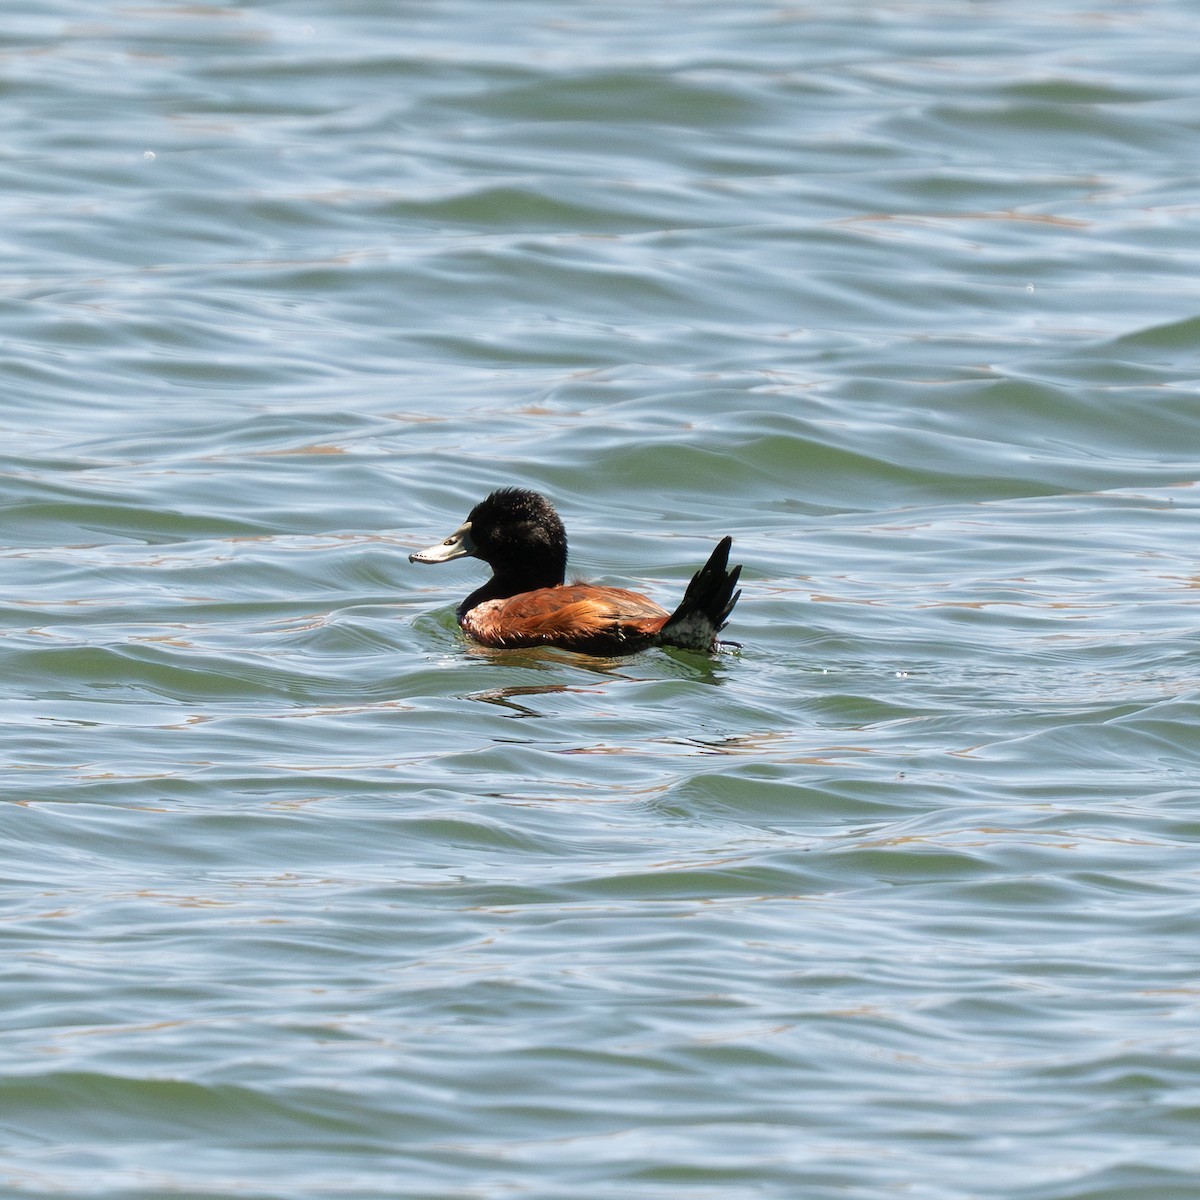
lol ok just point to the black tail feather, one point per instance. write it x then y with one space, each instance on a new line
706 604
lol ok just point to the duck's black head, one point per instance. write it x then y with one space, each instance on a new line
517 533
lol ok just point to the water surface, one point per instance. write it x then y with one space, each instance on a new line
304 897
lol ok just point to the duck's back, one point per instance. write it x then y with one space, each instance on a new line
584 617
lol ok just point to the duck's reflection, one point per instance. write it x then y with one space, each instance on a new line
671 665
506 697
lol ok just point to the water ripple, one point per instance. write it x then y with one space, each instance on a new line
304 895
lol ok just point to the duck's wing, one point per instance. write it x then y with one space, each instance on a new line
594 620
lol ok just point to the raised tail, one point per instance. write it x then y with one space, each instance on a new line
706 604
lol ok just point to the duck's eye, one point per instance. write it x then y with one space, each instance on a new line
448 542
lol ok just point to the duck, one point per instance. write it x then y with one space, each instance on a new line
527 601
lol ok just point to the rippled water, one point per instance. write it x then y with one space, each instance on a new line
304 897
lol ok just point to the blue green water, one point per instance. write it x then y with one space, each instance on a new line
304 897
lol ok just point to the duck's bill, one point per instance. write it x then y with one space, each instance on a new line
457 545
